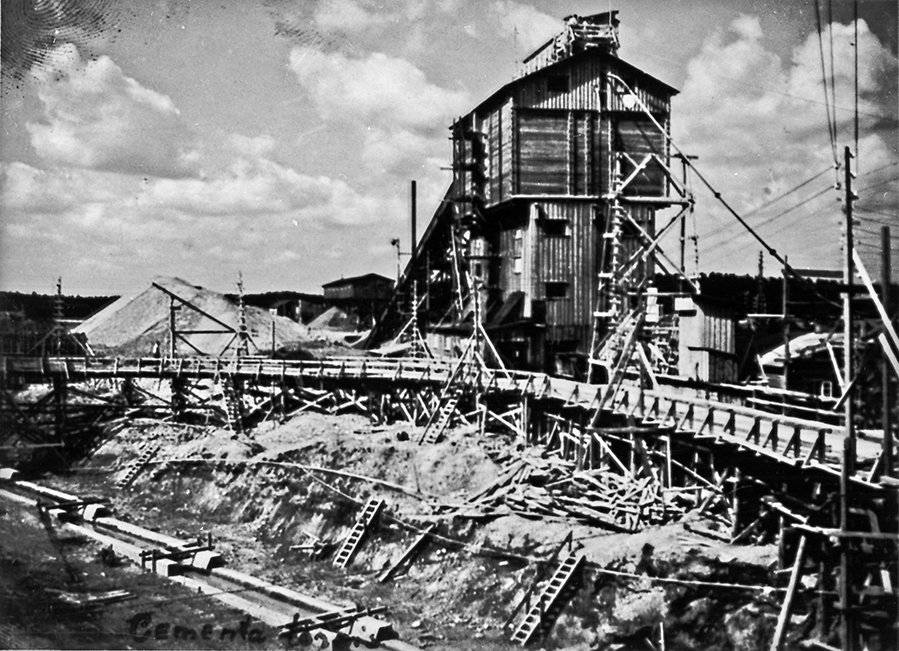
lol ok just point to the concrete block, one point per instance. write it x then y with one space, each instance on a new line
207 560
59 514
94 511
684 305
370 629
168 567
8 474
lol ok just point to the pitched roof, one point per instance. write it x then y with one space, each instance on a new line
356 279
628 67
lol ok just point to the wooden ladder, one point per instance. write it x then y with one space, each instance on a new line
232 407
353 541
438 425
137 465
413 549
541 615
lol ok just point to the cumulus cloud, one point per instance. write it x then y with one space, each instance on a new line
759 127
95 116
376 89
350 25
347 15
532 27
400 115
248 190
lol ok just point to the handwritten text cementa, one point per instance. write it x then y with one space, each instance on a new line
145 626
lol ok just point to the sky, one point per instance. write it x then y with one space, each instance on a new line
278 138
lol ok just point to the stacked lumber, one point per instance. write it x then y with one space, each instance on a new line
549 486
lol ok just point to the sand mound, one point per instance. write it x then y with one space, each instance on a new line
133 324
333 319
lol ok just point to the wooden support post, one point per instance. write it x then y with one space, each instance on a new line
60 400
886 391
524 418
179 399
783 618
847 628
668 478
781 551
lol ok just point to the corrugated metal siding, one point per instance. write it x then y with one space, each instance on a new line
603 156
582 153
513 169
638 137
587 88
584 89
558 153
509 280
706 345
568 259
493 128
510 161
544 152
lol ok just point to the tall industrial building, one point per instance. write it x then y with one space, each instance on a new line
545 233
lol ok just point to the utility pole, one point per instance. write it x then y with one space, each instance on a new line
414 216
887 400
786 326
847 627
57 318
243 334
172 331
395 242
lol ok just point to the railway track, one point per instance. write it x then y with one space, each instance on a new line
302 620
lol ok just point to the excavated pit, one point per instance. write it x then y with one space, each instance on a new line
259 494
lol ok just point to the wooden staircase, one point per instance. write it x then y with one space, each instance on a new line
353 541
542 614
134 468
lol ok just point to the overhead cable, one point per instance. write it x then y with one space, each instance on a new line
771 202
831 126
778 215
770 249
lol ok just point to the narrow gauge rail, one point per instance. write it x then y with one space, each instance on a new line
273 605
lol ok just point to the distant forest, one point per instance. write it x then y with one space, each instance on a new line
746 294
40 307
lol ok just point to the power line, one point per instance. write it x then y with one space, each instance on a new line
721 254
877 185
894 236
878 169
833 81
831 128
877 212
686 159
767 221
770 202
855 43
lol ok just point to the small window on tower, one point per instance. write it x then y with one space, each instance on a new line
556 290
556 227
557 84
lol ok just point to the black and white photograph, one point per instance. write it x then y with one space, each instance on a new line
449 325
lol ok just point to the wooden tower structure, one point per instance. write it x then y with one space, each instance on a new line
548 232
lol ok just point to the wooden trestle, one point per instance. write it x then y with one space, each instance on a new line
773 476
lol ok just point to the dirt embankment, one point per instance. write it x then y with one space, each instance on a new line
305 480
